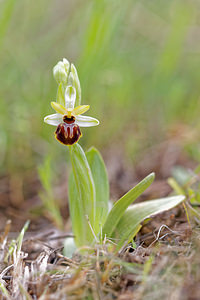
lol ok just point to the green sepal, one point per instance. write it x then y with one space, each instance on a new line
60 98
74 81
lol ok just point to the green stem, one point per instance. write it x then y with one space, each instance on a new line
82 197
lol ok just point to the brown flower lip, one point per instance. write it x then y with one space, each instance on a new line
68 132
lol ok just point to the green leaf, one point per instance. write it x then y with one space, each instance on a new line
60 98
82 199
76 212
176 186
135 214
121 205
100 177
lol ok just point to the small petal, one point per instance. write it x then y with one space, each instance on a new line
54 119
58 108
85 121
70 96
81 109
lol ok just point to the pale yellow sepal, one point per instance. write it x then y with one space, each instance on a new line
81 109
59 108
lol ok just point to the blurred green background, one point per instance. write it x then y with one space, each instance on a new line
139 68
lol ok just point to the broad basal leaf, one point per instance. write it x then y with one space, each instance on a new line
100 177
137 213
121 205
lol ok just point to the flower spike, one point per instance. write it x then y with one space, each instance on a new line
68 117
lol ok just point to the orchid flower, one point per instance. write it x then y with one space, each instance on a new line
68 118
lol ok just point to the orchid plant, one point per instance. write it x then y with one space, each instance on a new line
88 188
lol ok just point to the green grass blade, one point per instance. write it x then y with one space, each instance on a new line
137 213
82 198
5 17
174 43
101 185
4 291
21 236
51 206
121 205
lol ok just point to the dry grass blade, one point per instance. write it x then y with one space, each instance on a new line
98 273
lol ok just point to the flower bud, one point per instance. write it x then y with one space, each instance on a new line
60 71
